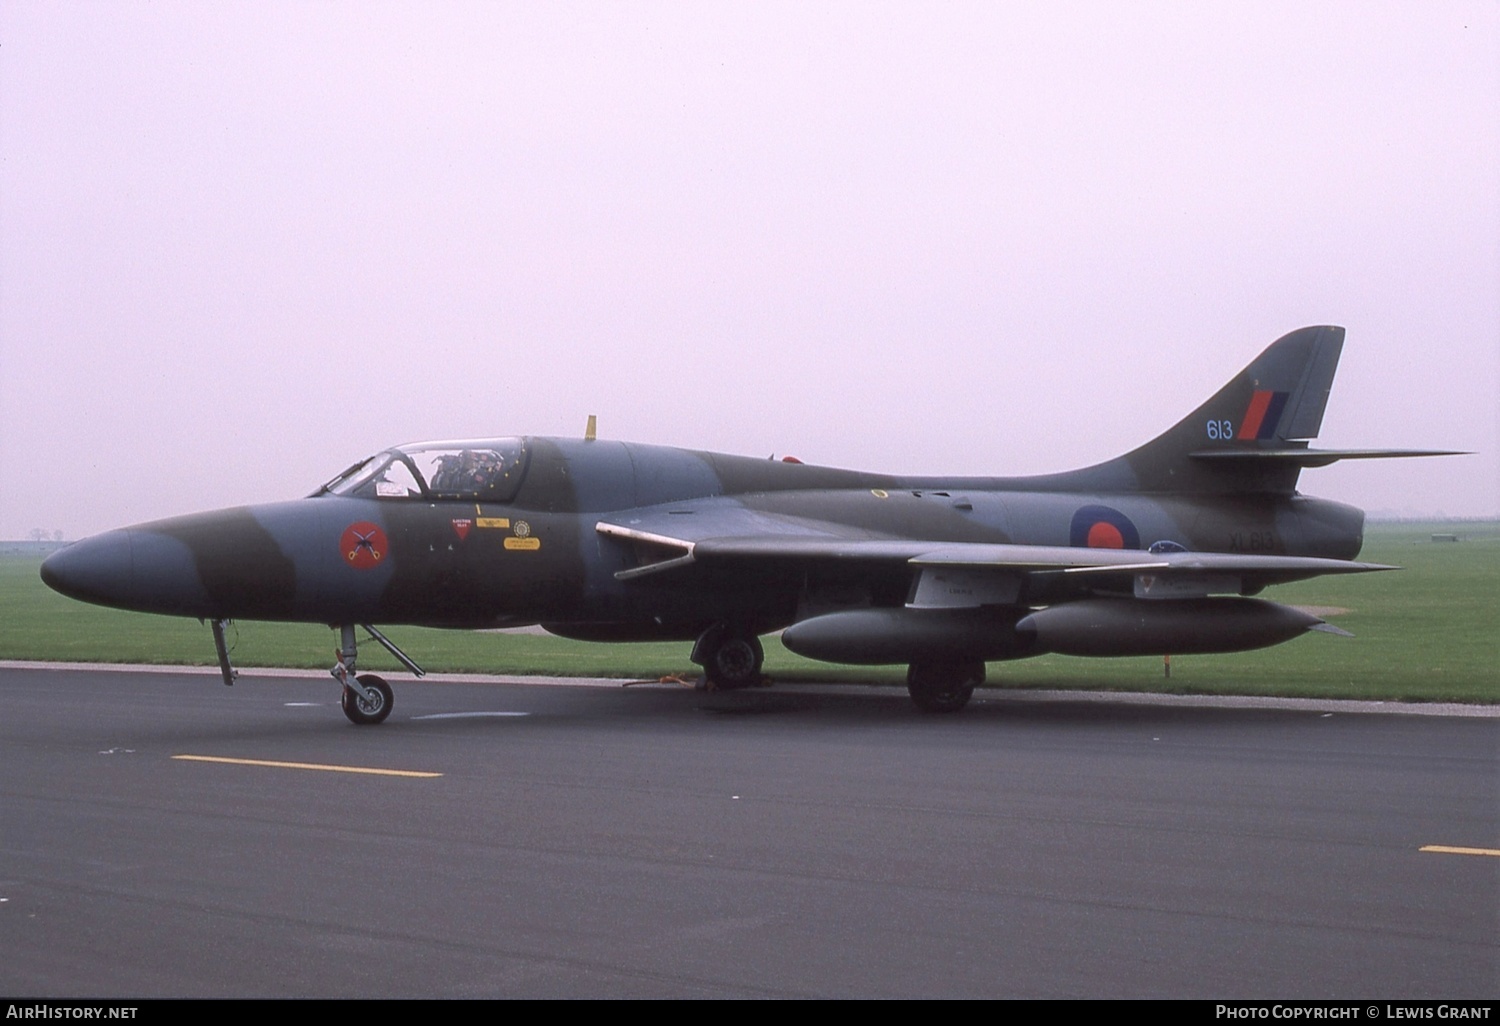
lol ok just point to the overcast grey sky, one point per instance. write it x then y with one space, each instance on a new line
242 245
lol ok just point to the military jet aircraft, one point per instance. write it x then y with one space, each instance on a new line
1156 552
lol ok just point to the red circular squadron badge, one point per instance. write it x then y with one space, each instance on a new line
363 545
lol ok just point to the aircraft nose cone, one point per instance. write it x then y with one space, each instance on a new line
133 568
97 569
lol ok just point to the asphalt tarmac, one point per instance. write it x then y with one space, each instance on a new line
654 841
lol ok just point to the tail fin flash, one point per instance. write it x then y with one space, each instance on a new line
1252 435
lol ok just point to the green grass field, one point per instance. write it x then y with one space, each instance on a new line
1428 633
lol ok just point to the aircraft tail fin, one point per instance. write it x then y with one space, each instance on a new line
1252 435
1274 405
1278 399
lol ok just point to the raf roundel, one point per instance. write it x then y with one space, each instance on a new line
363 545
1100 527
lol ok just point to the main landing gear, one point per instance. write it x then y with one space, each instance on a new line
943 687
731 657
367 699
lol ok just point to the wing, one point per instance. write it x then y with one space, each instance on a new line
724 536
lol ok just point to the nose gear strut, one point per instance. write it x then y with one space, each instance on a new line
367 699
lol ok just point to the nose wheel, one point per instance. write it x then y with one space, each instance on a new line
373 706
366 699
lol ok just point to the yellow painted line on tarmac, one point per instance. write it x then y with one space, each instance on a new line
308 766
1443 849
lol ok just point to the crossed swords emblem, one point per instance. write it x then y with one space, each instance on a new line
364 541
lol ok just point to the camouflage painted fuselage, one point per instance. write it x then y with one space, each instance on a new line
540 559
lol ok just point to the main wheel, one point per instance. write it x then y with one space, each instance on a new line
369 711
734 662
943 687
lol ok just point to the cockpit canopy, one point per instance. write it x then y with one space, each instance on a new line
475 471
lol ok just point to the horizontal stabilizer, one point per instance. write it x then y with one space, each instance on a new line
1314 457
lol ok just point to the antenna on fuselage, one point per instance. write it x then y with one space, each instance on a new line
590 430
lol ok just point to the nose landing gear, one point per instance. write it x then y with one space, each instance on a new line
373 705
367 699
